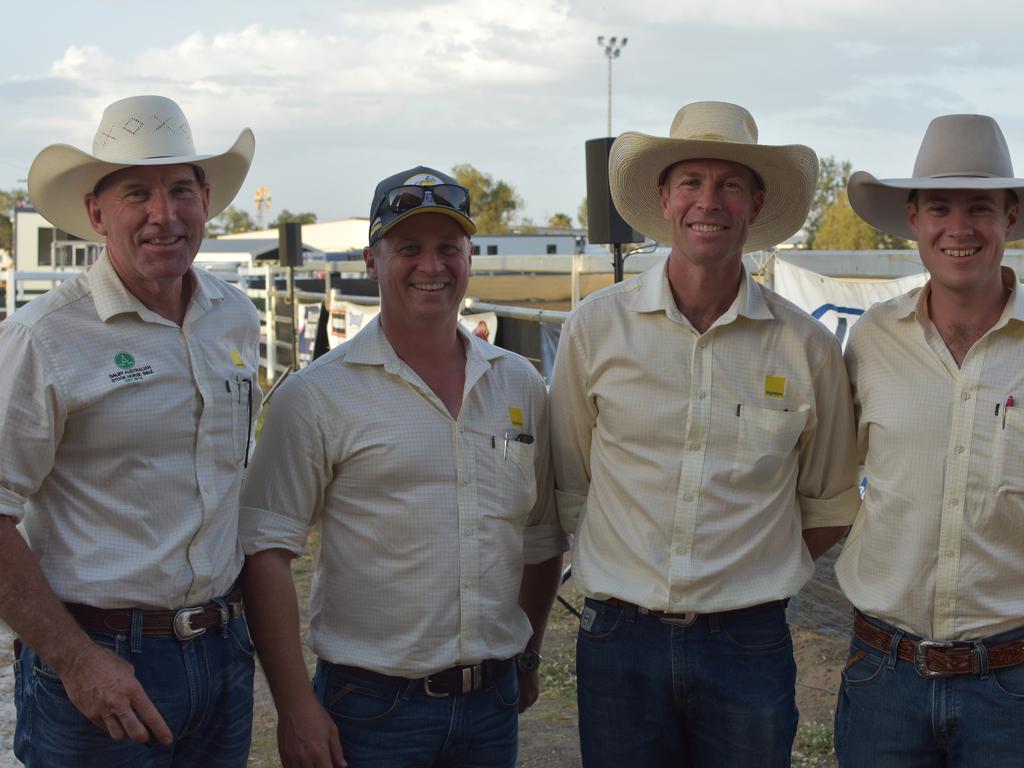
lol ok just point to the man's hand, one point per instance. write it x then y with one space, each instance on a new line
104 688
529 689
308 738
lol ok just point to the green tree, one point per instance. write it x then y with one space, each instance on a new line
493 203
841 229
8 200
230 221
562 220
286 216
832 178
583 213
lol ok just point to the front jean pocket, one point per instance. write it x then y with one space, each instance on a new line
506 689
757 631
599 620
238 629
1009 681
353 698
863 667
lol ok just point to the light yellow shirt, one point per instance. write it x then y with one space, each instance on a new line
425 520
688 464
938 546
122 439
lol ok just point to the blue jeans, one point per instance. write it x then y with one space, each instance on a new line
889 716
202 688
718 693
397 725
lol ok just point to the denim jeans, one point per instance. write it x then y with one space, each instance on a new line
202 688
889 716
397 725
718 693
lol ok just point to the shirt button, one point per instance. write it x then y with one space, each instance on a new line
950 553
467 530
702 344
466 481
966 395
688 497
959 449
695 446
952 502
701 395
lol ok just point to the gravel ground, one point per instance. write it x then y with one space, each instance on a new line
6 700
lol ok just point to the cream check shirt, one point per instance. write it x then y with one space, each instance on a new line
425 520
122 439
938 546
688 464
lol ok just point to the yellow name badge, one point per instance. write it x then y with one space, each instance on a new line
775 386
515 415
237 359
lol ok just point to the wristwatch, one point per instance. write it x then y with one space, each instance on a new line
528 660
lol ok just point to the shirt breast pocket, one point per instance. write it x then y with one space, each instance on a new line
240 389
1008 458
765 441
508 482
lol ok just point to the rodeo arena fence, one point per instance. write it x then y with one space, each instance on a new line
521 300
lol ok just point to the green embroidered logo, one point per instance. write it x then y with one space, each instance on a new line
124 360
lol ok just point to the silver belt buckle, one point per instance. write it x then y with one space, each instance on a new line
183 624
921 661
685 620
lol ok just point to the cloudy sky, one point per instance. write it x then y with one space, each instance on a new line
341 93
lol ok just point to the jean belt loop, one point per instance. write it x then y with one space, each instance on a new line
225 613
979 660
714 623
894 646
136 632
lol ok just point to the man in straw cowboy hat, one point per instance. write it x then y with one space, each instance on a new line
935 560
703 444
422 453
126 400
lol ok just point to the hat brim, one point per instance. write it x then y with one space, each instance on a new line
460 218
61 176
882 203
789 173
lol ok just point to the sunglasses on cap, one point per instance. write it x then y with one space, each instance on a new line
405 198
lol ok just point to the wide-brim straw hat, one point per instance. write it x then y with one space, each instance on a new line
139 130
957 152
713 130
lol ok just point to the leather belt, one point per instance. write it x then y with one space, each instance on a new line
183 624
448 682
683 619
935 658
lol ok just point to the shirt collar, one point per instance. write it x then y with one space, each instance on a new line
112 297
654 295
916 302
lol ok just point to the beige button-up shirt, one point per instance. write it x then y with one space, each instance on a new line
426 521
122 439
688 464
938 546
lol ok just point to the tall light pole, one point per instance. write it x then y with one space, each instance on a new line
612 47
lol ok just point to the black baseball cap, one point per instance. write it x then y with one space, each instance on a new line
418 190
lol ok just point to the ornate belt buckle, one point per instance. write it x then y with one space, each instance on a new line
683 620
183 629
921 661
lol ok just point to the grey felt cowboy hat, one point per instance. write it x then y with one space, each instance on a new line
957 152
713 130
139 130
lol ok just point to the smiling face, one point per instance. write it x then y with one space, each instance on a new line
961 235
422 266
710 205
153 218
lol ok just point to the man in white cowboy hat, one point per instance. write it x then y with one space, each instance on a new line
935 561
126 400
422 453
703 441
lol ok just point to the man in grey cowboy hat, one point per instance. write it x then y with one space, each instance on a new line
421 451
935 561
703 440
126 401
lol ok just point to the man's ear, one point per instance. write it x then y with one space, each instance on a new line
92 207
371 262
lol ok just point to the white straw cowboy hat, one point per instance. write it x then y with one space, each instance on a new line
713 130
957 152
139 130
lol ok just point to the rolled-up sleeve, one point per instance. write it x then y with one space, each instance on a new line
827 485
283 492
543 537
32 416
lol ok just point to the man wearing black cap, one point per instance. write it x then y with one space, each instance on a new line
422 453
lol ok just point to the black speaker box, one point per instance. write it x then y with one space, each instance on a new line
289 244
604 225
